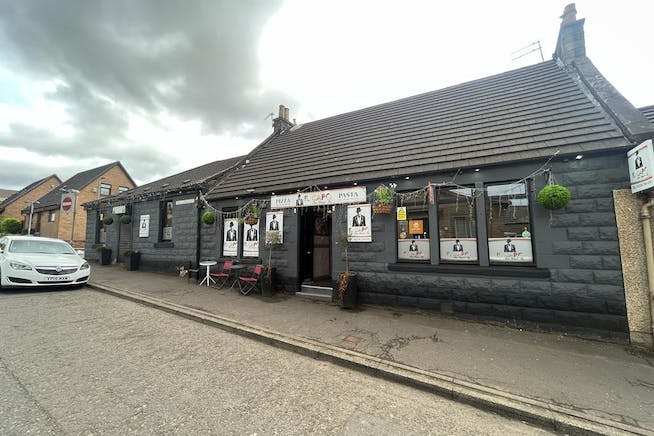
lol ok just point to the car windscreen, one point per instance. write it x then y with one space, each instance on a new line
43 247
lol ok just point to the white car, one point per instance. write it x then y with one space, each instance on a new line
27 261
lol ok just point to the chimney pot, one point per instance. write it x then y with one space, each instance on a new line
571 44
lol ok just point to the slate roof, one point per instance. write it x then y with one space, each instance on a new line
5 193
78 181
183 181
648 111
24 191
523 114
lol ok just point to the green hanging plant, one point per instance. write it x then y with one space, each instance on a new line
125 219
209 217
108 221
554 197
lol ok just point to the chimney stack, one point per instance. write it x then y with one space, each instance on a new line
571 44
282 122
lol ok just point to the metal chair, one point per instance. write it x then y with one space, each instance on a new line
248 284
192 271
222 277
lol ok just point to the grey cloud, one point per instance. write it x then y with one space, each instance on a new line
195 60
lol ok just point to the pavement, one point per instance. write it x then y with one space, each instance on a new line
563 383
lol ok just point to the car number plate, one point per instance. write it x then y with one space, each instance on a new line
57 278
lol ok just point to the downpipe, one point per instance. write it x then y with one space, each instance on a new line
649 253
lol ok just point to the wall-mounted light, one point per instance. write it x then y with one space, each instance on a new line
407 178
579 156
355 183
251 190
477 170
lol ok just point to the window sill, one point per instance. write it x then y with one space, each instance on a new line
164 244
495 270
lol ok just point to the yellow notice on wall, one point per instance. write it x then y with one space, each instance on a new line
415 227
401 213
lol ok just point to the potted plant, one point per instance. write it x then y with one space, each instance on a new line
125 219
554 196
384 197
209 217
251 213
107 221
268 282
133 259
105 254
347 281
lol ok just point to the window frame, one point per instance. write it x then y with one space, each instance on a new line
427 218
102 187
163 214
52 216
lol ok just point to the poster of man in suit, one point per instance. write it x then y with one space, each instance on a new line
358 223
458 249
251 243
230 239
275 224
514 249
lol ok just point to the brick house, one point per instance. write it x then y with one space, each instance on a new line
48 220
13 206
467 162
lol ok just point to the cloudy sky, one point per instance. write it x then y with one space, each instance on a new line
164 86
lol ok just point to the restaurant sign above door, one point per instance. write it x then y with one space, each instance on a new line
355 194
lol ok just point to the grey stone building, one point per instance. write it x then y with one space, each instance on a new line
161 219
467 235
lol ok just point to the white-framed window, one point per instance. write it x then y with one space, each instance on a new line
123 189
52 216
105 189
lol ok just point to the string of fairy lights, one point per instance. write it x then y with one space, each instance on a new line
424 195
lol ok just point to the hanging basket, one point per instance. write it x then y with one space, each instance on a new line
251 221
554 197
209 218
125 219
108 221
382 209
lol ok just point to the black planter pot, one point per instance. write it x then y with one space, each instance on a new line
348 300
133 261
105 256
268 283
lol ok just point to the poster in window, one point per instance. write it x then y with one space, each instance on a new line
251 243
230 240
459 249
413 249
359 228
415 227
275 226
144 226
510 249
167 234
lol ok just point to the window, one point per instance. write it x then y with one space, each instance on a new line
413 233
101 235
52 216
105 189
167 221
509 224
123 189
457 226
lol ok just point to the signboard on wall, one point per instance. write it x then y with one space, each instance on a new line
640 160
251 240
119 210
510 250
459 249
275 223
401 213
144 226
230 237
355 194
359 227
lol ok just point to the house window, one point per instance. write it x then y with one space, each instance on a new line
413 233
457 226
52 216
105 189
167 221
100 235
123 189
509 223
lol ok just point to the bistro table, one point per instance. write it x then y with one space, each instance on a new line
207 278
238 269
